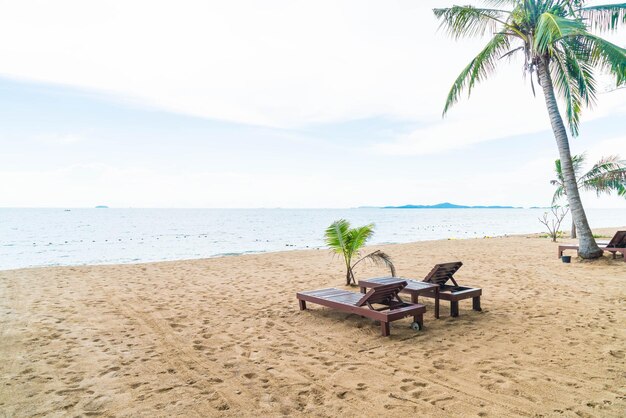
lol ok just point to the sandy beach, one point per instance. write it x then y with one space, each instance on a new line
224 337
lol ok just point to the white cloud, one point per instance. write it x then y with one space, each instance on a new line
87 185
59 139
463 131
604 148
500 108
276 63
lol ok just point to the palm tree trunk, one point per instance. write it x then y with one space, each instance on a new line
573 234
350 277
587 244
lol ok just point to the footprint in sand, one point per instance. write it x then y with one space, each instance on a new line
441 400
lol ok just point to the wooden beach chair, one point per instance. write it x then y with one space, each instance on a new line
441 274
380 303
617 244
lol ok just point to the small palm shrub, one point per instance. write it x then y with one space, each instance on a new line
348 242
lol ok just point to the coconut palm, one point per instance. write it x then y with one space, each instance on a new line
606 176
348 241
559 52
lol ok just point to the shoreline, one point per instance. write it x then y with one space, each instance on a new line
48 237
247 253
224 337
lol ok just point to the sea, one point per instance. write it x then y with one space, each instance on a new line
61 237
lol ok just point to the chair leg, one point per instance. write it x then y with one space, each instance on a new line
384 328
419 319
454 308
302 304
476 303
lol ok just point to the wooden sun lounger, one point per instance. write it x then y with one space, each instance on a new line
391 307
616 245
441 274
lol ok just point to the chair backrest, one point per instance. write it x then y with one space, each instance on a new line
618 240
382 294
441 273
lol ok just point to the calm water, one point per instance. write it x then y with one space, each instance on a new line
50 237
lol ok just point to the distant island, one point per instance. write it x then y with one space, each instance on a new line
447 205
102 207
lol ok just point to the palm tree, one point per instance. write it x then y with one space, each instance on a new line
606 176
348 241
559 52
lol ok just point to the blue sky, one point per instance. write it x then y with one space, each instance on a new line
148 121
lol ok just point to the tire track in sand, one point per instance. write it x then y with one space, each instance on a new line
186 364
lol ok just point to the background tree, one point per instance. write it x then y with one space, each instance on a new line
348 241
559 52
553 221
606 176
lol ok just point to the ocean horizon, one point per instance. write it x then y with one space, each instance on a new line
37 237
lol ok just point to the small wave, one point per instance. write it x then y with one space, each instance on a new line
227 254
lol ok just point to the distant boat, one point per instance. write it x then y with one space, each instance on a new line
67 210
102 207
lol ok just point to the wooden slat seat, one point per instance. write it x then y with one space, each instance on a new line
443 273
381 303
617 244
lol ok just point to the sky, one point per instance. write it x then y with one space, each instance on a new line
269 104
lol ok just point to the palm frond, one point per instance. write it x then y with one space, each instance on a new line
606 176
558 193
461 21
497 3
552 28
511 52
606 184
604 164
573 78
567 89
606 55
483 65
379 258
577 163
558 169
336 236
356 237
559 182
605 17
581 70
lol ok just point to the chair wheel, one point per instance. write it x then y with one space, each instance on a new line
416 326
